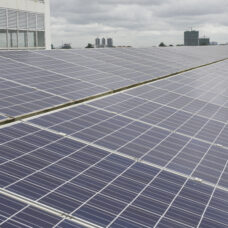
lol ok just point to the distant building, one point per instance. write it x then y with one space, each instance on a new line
103 42
204 41
214 43
24 24
97 42
66 46
191 38
109 42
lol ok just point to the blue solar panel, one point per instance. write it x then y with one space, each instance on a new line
133 138
17 99
39 80
17 214
153 156
98 186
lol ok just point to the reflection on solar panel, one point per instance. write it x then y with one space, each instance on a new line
151 156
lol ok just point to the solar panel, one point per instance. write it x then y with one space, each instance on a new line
98 186
138 139
43 79
151 156
17 99
17 214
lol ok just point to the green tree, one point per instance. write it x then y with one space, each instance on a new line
162 44
89 46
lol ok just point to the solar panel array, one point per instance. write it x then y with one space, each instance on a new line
151 156
99 186
36 80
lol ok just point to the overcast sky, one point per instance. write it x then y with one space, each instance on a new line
139 23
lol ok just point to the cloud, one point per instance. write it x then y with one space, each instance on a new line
136 22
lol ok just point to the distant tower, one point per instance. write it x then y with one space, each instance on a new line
103 42
109 42
97 42
191 38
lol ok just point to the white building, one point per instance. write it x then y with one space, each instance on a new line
24 24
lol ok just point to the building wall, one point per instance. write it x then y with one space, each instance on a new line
13 17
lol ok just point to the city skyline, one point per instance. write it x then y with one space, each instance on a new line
103 42
137 23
